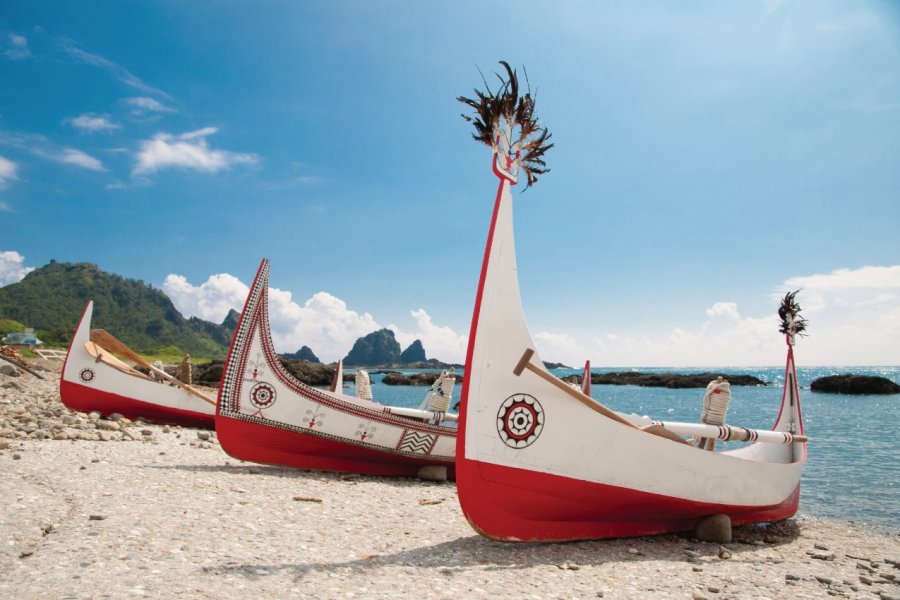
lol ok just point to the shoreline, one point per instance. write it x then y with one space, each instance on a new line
161 512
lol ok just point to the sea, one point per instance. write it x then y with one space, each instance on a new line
853 470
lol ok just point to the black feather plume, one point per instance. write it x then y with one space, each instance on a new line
506 104
789 312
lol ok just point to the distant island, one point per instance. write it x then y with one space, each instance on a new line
666 380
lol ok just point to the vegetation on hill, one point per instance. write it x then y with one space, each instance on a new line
51 300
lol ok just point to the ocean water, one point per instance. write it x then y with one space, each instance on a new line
853 470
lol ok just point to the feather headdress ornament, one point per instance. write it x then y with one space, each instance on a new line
504 115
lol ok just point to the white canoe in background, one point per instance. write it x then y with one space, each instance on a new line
94 380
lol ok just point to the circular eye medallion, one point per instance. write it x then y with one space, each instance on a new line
520 420
87 375
262 395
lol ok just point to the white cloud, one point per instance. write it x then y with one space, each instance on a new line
723 309
42 147
210 300
115 69
16 47
854 319
143 104
7 171
4 207
71 156
844 279
187 151
323 322
440 342
11 267
92 123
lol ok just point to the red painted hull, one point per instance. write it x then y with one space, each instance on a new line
510 501
275 446
85 399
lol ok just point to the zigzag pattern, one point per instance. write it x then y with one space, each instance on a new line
418 443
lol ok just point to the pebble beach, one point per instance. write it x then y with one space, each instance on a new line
110 508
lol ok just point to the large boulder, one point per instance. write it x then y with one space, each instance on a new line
855 384
413 354
304 353
378 348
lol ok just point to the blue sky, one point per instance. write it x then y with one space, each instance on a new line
708 157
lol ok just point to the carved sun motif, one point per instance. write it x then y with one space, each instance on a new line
520 420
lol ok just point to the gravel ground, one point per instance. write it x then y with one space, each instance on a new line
159 512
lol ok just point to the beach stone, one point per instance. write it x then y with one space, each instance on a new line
9 371
432 473
146 432
17 456
109 425
825 580
203 436
4 444
724 553
715 528
105 436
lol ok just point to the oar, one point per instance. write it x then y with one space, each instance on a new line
106 340
525 363
20 365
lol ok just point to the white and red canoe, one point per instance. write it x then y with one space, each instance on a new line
94 380
265 415
539 460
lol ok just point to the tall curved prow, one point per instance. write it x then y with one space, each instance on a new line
264 414
538 460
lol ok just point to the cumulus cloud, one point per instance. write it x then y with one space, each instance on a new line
12 267
16 47
186 151
854 319
323 322
440 342
210 300
92 123
7 171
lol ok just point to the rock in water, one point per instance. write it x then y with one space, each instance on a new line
715 528
854 384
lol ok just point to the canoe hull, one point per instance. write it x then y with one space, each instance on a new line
84 399
521 505
271 445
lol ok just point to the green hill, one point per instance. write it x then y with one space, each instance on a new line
51 299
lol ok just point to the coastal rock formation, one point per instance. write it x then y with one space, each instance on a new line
666 380
315 374
394 378
855 384
378 348
304 353
413 354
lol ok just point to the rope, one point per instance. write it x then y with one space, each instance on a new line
363 385
715 409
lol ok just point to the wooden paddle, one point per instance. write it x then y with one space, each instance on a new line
107 341
525 363
20 365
